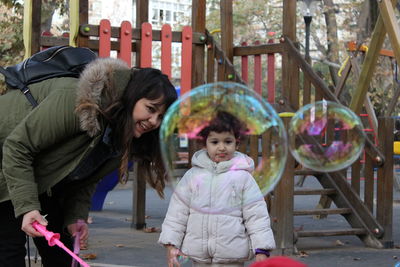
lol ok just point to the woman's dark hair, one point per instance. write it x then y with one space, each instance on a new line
224 122
151 84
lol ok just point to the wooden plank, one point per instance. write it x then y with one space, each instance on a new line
73 22
166 53
226 15
210 62
355 176
146 46
88 30
27 25
269 48
36 26
271 74
245 66
329 232
311 191
343 78
368 67
105 37
282 207
369 183
360 217
391 25
309 72
186 64
384 207
92 44
198 55
394 100
257 72
83 19
125 52
322 211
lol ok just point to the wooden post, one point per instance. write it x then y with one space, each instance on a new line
139 199
226 35
282 207
290 71
198 56
73 22
198 25
82 41
31 26
139 183
142 15
384 207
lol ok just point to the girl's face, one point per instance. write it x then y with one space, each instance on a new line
147 116
220 146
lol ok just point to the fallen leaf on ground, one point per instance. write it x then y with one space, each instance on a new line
303 254
90 220
128 219
90 256
356 259
339 243
151 230
147 217
395 257
84 247
120 245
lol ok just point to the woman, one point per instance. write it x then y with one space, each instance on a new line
53 155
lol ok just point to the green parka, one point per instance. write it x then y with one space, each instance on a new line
42 145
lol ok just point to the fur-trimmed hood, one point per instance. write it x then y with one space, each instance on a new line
102 81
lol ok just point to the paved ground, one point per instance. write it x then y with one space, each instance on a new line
115 244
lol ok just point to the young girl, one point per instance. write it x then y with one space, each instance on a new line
54 155
217 215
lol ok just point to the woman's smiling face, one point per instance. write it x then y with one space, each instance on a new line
147 116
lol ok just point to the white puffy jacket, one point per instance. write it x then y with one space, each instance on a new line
217 212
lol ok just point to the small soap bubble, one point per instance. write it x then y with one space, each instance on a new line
326 136
264 139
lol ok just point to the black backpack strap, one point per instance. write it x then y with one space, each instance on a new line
24 89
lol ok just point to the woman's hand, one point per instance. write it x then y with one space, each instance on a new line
27 221
172 256
81 228
261 257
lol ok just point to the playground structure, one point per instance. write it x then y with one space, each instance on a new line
205 61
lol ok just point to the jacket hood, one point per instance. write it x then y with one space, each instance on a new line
102 81
239 161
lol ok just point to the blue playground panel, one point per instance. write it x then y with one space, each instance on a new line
107 184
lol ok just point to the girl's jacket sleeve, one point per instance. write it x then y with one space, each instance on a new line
256 217
175 222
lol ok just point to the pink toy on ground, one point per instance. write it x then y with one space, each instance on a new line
54 239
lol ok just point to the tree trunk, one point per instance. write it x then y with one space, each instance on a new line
332 36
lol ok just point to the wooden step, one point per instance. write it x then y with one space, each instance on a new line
314 233
310 191
322 211
307 172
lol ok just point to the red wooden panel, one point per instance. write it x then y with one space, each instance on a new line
271 75
125 52
105 36
245 66
186 69
166 41
146 45
257 71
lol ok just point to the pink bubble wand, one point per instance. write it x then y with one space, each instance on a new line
54 239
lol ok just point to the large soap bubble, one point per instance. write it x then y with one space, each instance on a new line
326 136
193 111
